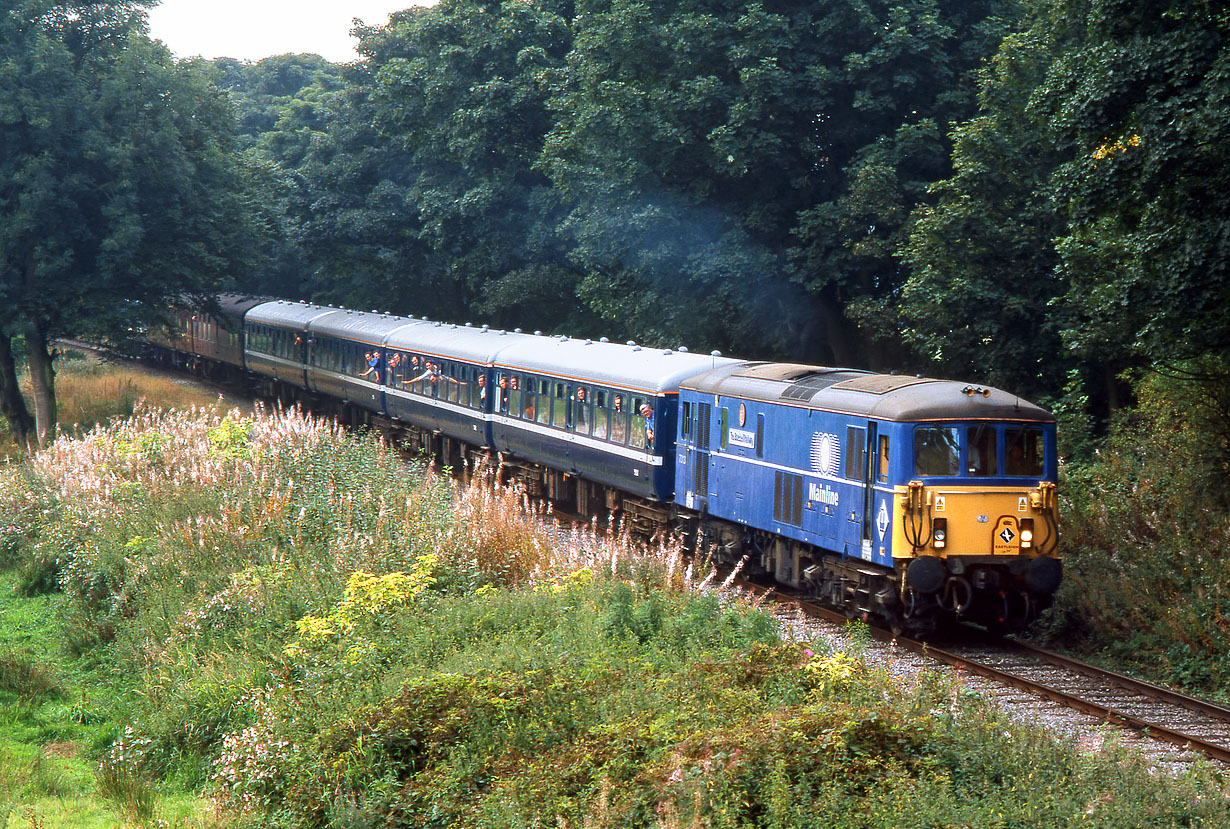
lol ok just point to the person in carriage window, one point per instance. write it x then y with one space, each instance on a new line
579 420
373 364
647 413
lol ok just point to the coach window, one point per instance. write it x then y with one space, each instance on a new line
529 399
981 452
470 388
936 450
636 435
882 463
856 452
544 402
724 428
512 396
685 419
1023 452
580 410
619 419
559 412
602 416
760 435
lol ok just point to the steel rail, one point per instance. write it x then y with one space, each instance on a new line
1105 713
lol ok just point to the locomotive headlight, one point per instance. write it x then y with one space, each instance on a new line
1027 532
939 532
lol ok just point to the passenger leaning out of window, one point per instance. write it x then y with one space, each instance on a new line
647 413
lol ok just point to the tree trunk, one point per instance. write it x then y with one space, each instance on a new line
12 404
43 379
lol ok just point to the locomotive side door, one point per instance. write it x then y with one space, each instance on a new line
694 436
860 471
869 493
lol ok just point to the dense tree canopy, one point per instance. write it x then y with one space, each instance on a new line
118 190
1085 228
1027 194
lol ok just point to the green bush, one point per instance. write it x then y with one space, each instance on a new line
1146 540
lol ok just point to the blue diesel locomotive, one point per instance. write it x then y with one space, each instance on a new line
905 498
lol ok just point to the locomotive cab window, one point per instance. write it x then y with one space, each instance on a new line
882 462
1023 452
936 450
685 419
981 451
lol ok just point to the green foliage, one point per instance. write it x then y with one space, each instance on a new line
1144 534
764 157
308 633
1078 234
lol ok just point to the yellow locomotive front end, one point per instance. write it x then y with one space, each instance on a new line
975 530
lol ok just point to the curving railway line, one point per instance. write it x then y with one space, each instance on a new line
1152 711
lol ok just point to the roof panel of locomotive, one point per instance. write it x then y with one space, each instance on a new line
881 396
624 366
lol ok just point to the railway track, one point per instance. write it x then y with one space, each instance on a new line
1150 710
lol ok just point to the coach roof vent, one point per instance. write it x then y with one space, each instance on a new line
603 340
715 353
683 349
486 328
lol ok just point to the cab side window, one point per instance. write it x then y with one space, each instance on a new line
856 452
936 450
